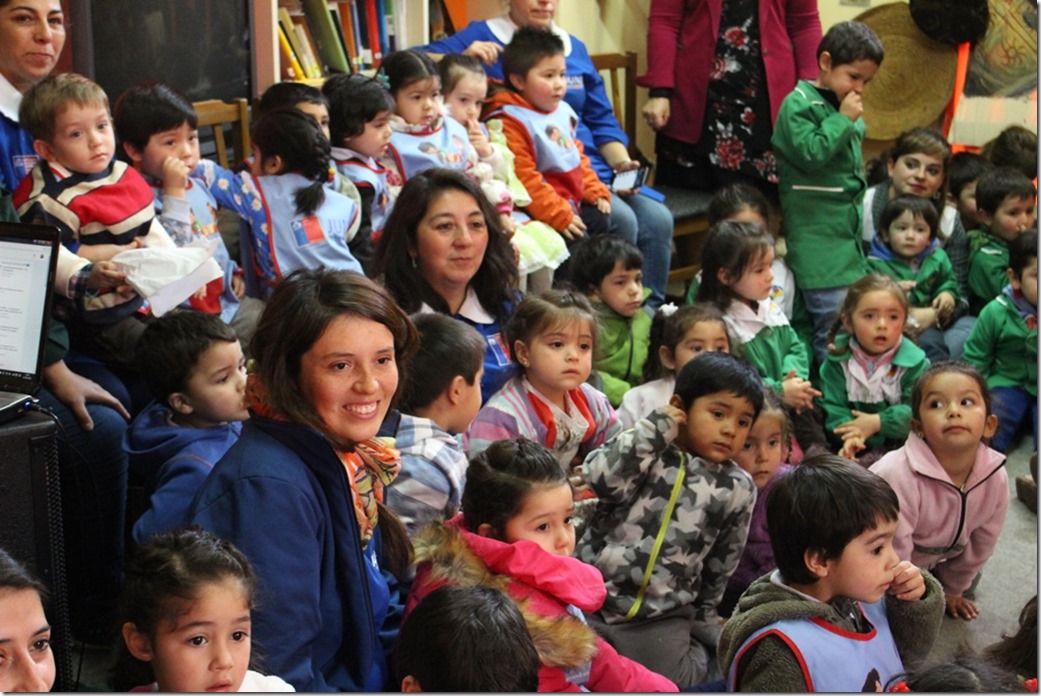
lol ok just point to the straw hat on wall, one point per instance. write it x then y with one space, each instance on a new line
916 78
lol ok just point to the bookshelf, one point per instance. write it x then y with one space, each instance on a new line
267 57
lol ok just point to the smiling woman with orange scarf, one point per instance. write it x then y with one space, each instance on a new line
301 492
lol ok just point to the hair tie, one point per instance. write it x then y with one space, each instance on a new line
381 77
668 309
900 687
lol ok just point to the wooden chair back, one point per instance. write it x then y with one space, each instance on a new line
620 69
216 113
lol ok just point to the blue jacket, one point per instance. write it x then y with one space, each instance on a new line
17 156
585 88
173 461
327 616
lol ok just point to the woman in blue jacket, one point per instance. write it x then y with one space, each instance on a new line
301 492
638 219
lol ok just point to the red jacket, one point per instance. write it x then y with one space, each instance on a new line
448 554
681 45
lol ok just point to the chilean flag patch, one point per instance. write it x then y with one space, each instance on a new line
308 230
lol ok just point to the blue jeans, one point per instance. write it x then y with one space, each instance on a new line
92 470
648 224
946 344
823 305
1011 405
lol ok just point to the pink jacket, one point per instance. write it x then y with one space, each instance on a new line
449 554
681 45
940 523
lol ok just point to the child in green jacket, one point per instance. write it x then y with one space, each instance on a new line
1005 203
1003 344
906 249
609 270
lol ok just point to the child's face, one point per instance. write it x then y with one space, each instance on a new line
717 425
908 235
877 321
558 360
966 204
373 140
545 84
180 143
756 280
465 99
207 647
915 174
319 112
419 103
545 518
83 140
846 77
703 337
1012 218
26 660
622 290
216 389
1026 283
867 566
952 415
764 448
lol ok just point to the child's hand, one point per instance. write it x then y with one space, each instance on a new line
175 177
851 446
575 229
798 393
944 304
106 275
852 106
604 205
485 51
478 139
678 415
925 316
508 225
908 584
199 294
960 608
238 286
908 285
863 425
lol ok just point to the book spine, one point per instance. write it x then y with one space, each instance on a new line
296 71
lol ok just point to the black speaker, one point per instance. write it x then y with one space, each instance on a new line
30 498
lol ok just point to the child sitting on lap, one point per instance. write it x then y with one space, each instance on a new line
672 518
842 612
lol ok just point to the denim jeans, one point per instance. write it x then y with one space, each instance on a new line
946 344
648 224
823 305
1011 405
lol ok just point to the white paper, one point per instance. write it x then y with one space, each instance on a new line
167 277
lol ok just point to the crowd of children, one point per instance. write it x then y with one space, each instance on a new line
780 484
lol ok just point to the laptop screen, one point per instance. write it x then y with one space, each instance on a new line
28 256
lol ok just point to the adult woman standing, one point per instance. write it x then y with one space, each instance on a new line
32 34
442 250
301 492
638 219
718 71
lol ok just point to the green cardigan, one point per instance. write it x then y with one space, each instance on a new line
621 349
935 275
908 363
1002 347
988 263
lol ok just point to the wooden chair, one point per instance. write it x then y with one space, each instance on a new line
689 208
218 114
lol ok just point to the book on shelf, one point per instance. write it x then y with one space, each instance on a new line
334 13
309 58
293 69
324 32
372 18
347 31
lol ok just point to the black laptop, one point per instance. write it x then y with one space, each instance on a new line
28 257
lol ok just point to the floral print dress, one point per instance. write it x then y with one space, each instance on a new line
737 129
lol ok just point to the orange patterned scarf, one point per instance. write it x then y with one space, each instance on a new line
370 468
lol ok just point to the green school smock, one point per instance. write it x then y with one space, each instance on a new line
621 349
896 418
935 275
988 264
773 349
1002 347
821 182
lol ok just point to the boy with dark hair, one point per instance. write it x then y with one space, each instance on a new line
441 396
669 484
1003 344
539 125
194 367
963 174
817 141
466 639
299 96
1005 199
841 611
609 270
158 130
101 206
